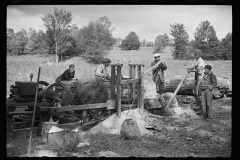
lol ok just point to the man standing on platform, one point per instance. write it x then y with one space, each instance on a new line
158 77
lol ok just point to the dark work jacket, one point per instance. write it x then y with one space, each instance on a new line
209 79
65 76
158 71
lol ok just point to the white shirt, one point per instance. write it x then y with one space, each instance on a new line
199 63
101 71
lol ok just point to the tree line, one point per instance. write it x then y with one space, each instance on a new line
64 40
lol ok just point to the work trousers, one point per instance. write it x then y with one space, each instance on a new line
197 93
159 85
207 98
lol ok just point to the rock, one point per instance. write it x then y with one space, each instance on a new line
130 129
108 154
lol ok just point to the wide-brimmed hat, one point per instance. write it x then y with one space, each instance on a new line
156 55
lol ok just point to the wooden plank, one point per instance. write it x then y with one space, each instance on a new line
20 131
138 85
129 105
78 107
117 64
128 81
130 90
23 104
119 91
113 82
141 99
134 86
21 113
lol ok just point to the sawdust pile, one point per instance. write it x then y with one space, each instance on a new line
184 112
112 125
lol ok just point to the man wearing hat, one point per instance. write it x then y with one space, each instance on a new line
158 77
101 72
197 67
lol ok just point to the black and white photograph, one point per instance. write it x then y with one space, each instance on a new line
119 81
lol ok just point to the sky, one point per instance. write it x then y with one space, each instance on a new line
147 21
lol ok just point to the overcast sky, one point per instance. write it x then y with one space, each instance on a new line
147 21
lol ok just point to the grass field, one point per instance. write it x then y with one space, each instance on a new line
179 143
20 67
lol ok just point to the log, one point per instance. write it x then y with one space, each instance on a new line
187 87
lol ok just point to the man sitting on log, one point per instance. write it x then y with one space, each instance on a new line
197 67
158 77
101 73
209 82
67 74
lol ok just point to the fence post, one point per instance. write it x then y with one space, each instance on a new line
119 91
139 85
130 90
142 90
133 76
112 82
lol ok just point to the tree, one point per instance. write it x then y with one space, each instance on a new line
144 43
10 40
96 38
118 41
181 39
131 42
58 24
21 38
161 41
207 41
226 42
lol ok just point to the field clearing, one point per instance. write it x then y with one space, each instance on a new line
20 67
208 138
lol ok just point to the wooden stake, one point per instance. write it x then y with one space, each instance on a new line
112 82
119 91
34 111
142 90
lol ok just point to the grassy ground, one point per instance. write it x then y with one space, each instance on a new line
19 68
166 143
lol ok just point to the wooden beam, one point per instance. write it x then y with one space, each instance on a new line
141 95
117 64
21 113
130 90
129 105
113 82
78 107
23 104
128 81
134 86
119 91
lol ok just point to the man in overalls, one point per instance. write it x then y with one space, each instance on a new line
209 82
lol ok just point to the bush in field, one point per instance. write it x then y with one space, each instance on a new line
181 39
94 59
131 42
161 41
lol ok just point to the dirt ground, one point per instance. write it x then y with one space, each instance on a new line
174 137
